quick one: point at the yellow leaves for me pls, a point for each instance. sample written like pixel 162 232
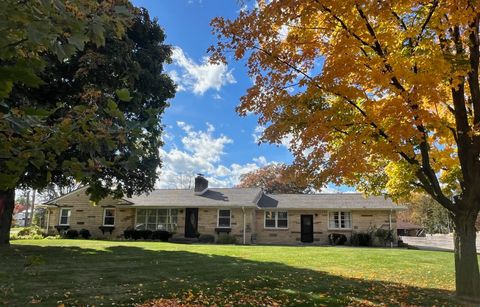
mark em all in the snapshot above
pixel 385 72
pixel 400 177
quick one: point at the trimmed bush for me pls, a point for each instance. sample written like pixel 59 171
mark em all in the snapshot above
pixel 161 235
pixel 84 233
pixel 361 239
pixel 337 239
pixel 128 233
pixel 226 239
pixel 206 239
pixel 71 234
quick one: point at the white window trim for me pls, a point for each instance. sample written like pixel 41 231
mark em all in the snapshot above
pixel 68 217
pixel 114 216
pixel 333 228
pixel 218 219
pixel 156 215
pixel 276 219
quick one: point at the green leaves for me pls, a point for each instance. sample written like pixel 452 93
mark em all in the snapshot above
pixel 123 94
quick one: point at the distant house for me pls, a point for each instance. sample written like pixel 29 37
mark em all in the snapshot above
pixel 246 213
pixel 409 229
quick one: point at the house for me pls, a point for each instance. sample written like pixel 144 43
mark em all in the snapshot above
pixel 246 213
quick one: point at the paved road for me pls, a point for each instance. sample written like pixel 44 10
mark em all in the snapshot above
pixel 435 242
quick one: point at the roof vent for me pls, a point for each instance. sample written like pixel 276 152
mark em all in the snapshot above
pixel 201 184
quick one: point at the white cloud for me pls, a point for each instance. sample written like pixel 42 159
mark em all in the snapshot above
pixel 199 77
pixel 216 96
pixel 257 133
pixel 201 151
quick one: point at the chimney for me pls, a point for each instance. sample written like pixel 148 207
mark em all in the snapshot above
pixel 201 184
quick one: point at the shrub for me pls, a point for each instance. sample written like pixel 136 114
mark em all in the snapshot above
pixel 30 231
pixel 161 235
pixel 71 234
pixel 140 234
pixel 85 233
pixel 206 239
pixel 128 233
pixel 226 239
pixel 384 235
pixel 27 233
pixel 361 239
pixel 337 239
pixel 146 234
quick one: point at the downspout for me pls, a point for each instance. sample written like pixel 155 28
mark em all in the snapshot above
pixel 48 220
pixel 390 226
pixel 244 226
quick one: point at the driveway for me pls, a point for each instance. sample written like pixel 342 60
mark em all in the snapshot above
pixel 435 242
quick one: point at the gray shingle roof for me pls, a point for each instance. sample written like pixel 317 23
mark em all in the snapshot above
pixel 227 197
pixel 350 201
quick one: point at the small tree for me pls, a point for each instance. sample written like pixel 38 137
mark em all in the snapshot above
pixel 273 178
pixel 425 211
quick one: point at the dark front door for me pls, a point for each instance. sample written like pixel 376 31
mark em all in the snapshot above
pixel 191 222
pixel 306 228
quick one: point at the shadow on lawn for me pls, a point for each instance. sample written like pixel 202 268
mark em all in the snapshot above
pixel 127 275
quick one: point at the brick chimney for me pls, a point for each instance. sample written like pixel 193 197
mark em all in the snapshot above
pixel 201 184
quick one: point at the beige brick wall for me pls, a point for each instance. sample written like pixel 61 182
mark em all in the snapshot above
pixel 86 215
pixel 362 221
pixel 207 222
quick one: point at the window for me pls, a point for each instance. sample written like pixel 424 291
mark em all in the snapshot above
pixel 65 214
pixel 276 219
pixel 224 218
pixel 109 217
pixel 156 219
pixel 339 220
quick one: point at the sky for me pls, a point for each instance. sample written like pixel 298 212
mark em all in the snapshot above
pixel 203 133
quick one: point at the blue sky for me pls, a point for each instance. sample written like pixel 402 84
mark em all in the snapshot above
pixel 203 132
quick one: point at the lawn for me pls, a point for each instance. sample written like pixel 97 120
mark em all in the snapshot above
pixel 81 272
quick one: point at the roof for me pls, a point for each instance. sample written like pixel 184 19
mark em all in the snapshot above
pixel 407 225
pixel 213 197
pixel 350 201
pixel 249 197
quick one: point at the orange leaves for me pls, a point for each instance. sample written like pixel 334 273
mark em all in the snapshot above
pixel 354 83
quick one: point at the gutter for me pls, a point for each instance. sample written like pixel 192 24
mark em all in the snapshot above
pixel 244 226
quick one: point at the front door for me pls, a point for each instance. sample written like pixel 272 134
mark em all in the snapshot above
pixel 306 228
pixel 191 222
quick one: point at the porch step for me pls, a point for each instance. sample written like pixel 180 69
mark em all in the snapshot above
pixel 183 240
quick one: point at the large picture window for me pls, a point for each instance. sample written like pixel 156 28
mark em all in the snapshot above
pixel 276 219
pixel 339 220
pixel 65 214
pixel 157 219
pixel 109 217
pixel 224 218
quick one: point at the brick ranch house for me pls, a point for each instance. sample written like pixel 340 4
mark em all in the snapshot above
pixel 246 213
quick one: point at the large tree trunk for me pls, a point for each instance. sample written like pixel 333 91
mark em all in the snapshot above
pixel 467 275
pixel 7 204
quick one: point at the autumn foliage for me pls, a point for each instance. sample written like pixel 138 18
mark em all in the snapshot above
pixel 273 179
pixel 381 95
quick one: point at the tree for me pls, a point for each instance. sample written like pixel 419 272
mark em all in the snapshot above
pixel 29 30
pixel 381 95
pixel 97 116
pixel 273 179
pixel 424 210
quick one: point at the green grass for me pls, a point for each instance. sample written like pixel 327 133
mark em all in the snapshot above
pixel 80 272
